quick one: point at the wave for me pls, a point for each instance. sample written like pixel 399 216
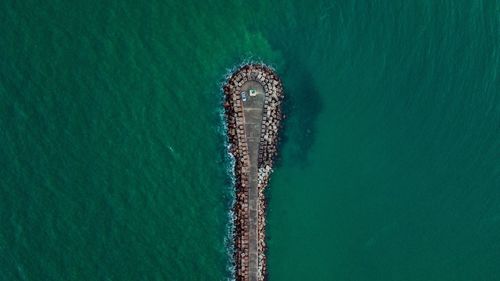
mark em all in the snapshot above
pixel 245 61
pixel 229 162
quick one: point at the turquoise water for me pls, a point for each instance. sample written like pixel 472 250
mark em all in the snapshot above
pixel 112 157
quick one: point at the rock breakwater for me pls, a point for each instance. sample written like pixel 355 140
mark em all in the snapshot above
pixel 253 98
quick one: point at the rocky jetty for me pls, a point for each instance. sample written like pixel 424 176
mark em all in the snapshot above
pixel 253 127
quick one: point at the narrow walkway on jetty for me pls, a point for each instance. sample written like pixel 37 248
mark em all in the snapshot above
pixel 252 115
pixel 253 95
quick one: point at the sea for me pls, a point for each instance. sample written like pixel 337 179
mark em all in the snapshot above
pixel 113 153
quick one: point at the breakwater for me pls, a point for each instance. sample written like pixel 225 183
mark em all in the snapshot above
pixel 253 96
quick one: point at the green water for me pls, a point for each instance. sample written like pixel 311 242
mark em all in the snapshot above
pixel 112 157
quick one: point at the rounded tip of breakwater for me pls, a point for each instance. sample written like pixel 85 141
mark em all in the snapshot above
pixel 253 94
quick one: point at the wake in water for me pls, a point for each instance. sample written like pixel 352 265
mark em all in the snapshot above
pixel 229 163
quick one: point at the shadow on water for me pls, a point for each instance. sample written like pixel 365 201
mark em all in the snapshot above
pixel 301 107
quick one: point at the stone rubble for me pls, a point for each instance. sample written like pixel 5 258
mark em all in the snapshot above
pixel 271 124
